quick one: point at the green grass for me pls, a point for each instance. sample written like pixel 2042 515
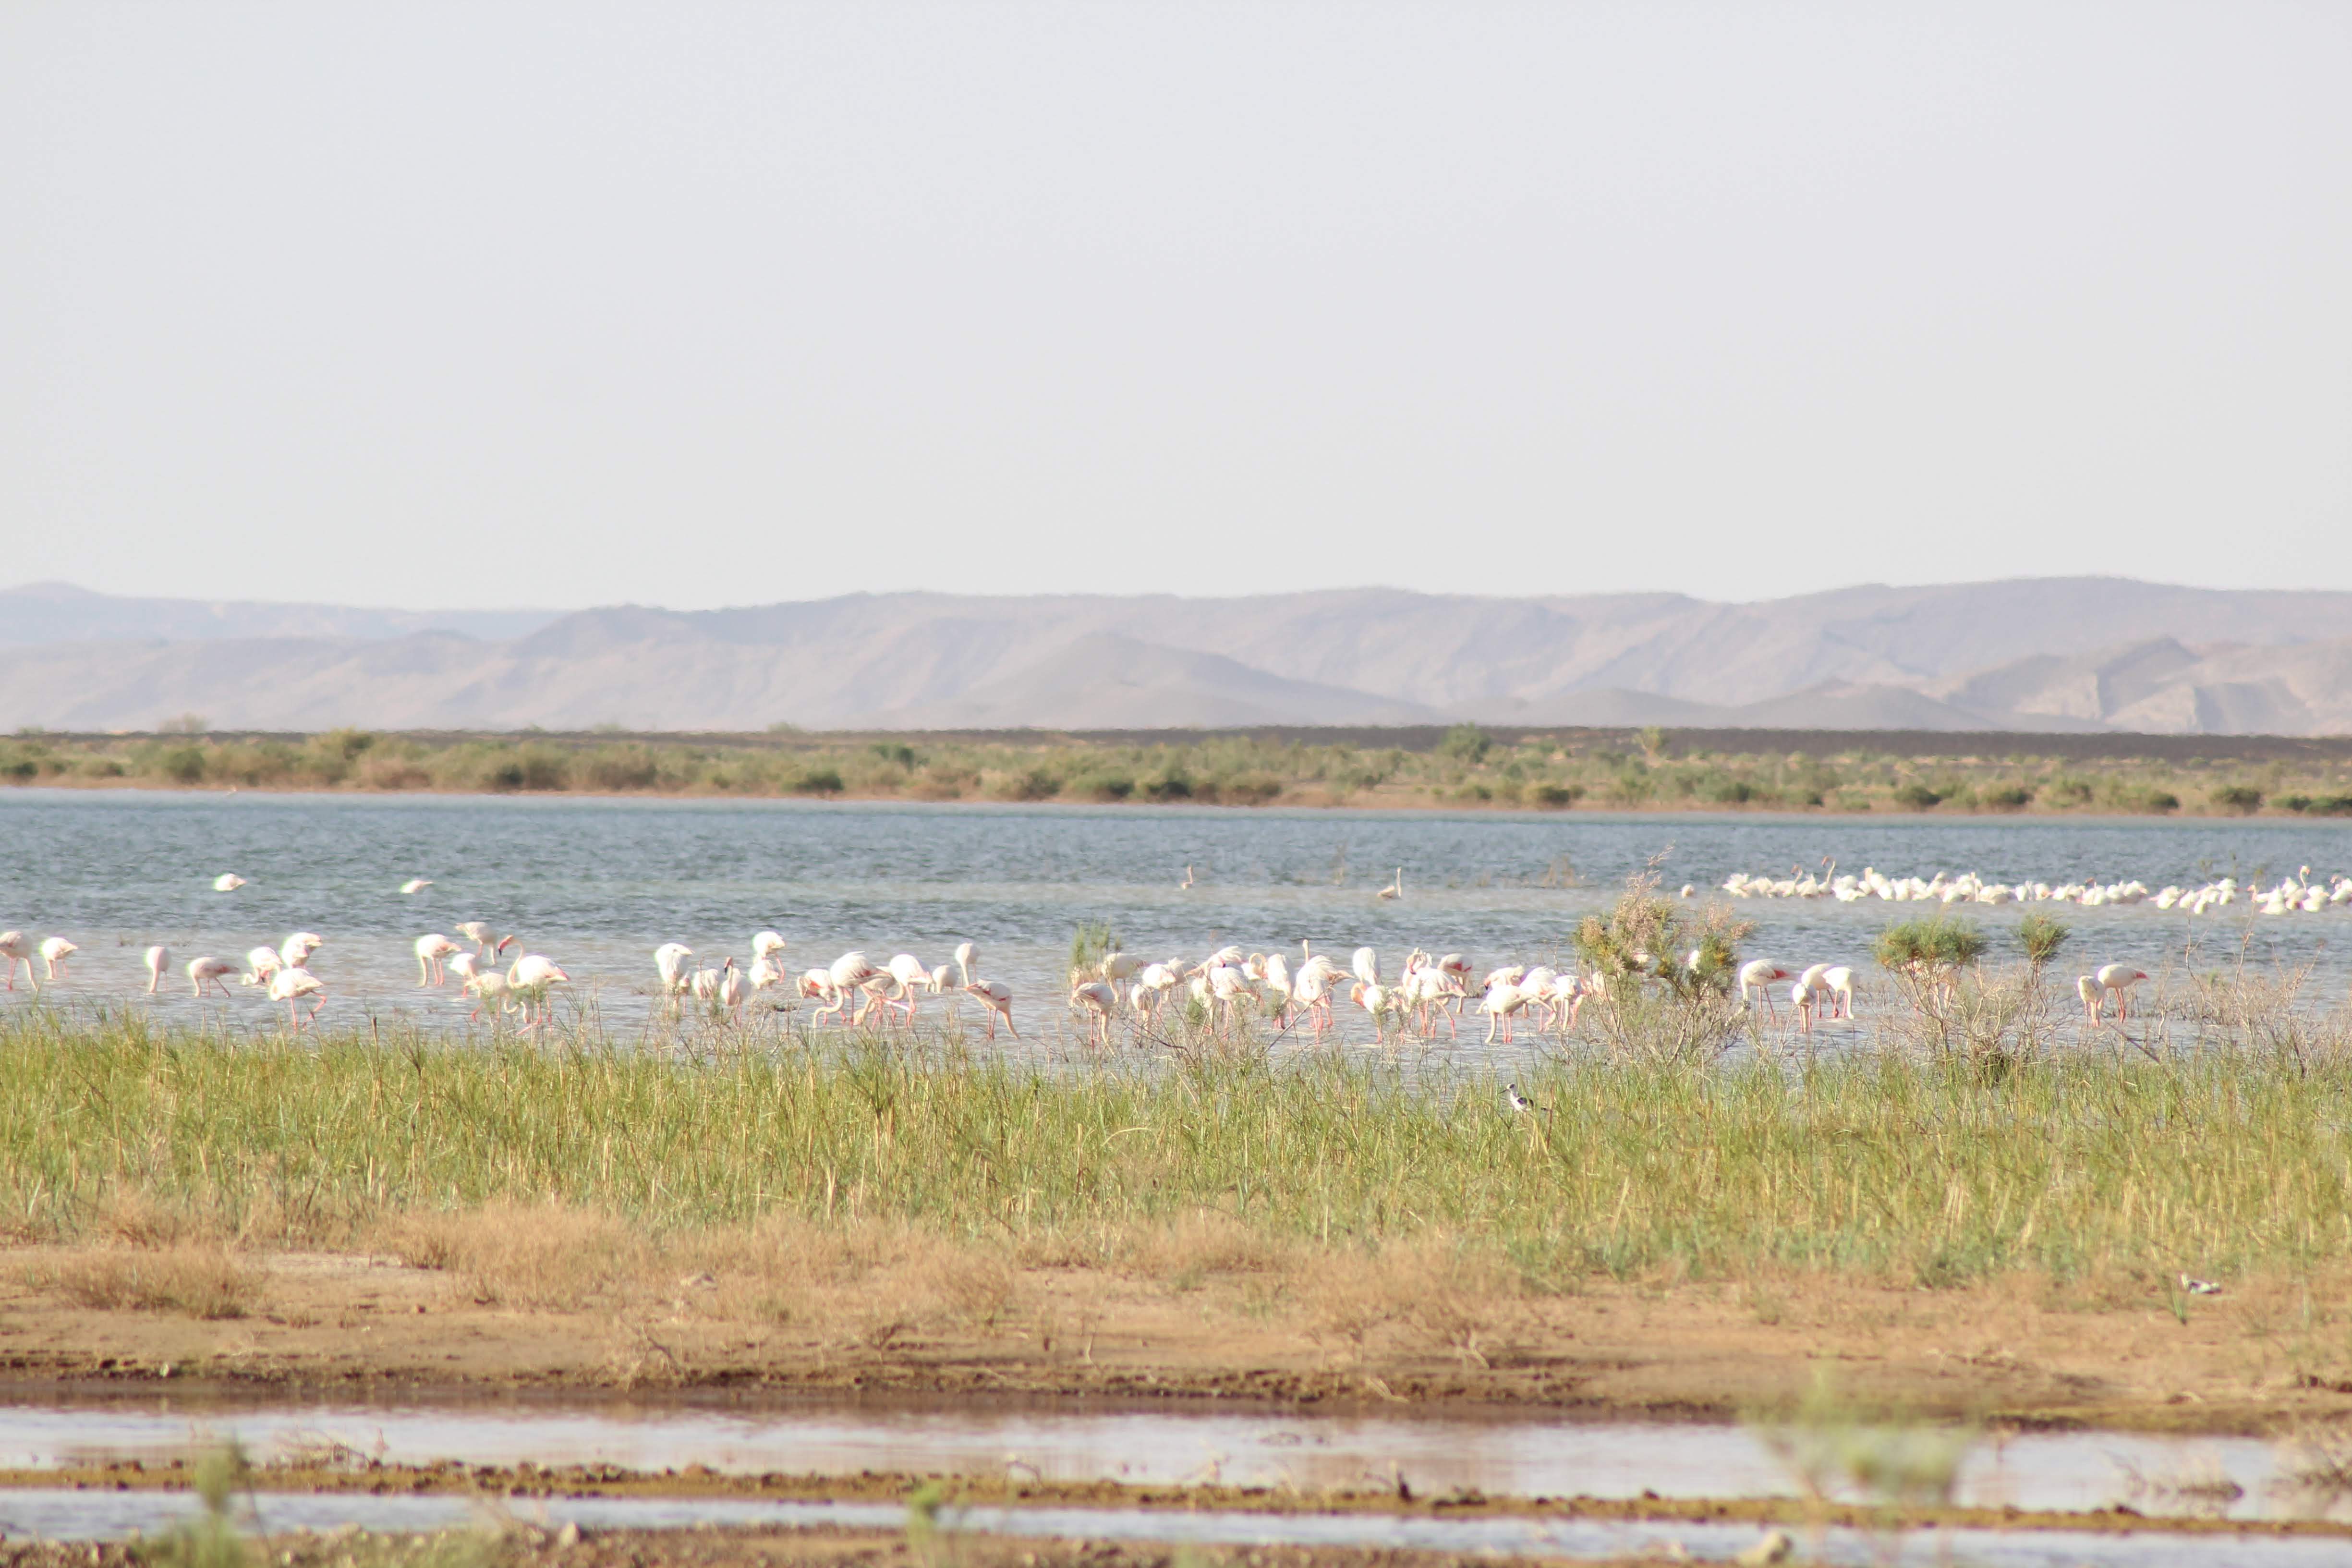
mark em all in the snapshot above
pixel 2223 1161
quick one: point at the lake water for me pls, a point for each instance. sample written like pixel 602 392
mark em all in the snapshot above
pixel 598 883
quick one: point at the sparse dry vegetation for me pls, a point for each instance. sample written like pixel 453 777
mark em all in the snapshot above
pixel 1467 767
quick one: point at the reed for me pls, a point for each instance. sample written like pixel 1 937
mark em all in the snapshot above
pixel 1908 1166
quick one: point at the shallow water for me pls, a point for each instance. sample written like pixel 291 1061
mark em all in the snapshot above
pixel 596 884
pixel 1517 1456
pixel 89 1516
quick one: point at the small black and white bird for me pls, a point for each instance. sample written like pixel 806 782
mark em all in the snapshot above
pixel 2200 1287
pixel 1519 1103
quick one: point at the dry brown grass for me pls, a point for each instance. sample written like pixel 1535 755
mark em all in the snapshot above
pixel 542 1256
pixel 202 1280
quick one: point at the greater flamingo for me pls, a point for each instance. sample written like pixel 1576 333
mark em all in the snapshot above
pixel 1099 1000
pixel 204 972
pixel 997 997
pixel 159 958
pixel 529 980
pixel 2120 978
pixel 16 948
pixel 293 981
pixel 55 951
pixel 1757 974
pixel 432 949
pixel 227 882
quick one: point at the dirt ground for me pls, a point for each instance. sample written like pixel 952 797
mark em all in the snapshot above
pixel 2260 1358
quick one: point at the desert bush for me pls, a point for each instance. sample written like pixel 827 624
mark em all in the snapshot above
pixel 2006 797
pixel 1916 797
pixel 2242 799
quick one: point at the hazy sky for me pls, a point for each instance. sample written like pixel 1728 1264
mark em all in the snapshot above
pixel 569 303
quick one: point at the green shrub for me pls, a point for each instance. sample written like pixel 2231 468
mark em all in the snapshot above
pixel 818 781
pixel 1917 797
pixel 183 764
pixel 2296 801
pixel 2068 791
pixel 2244 799
pixel 1102 787
pixel 2040 936
pixel 1466 744
pixel 1939 943
pixel 2332 806
pixel 1554 796
pixel 2007 797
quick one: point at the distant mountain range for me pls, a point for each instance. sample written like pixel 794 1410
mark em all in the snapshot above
pixel 2038 654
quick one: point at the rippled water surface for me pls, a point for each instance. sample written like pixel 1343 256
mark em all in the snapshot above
pixel 596 884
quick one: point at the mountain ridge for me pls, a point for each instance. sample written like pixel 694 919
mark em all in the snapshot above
pixel 2038 654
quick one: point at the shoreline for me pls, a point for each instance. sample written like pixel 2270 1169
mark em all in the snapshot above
pixel 1414 805
pixel 2007 1354
pixel 527 1482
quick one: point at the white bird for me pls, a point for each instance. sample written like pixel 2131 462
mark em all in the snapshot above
pixel 208 972
pixel 227 882
pixel 529 980
pixel 1395 890
pixel 706 983
pixel 730 988
pixel 465 966
pixel 417 884
pixel 431 948
pixel 966 955
pixel 1099 1000
pixel 1519 1103
pixel 1757 974
pixel 296 949
pixel 1186 882
pixel 261 963
pixel 159 958
pixel 2086 987
pixel 907 972
pixel 997 997
pixel 1503 1002
pixel 55 951
pixel 669 962
pixel 765 972
pixel 2120 978
pixel 293 981
pixel 767 944
pixel 16 948
pixel 489 989
pixel 1367 965
pixel 1837 980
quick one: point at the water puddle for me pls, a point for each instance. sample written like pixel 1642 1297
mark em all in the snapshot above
pixel 87 1516
pixel 1514 1456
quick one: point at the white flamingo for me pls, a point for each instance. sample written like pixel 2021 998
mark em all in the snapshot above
pixel 529 980
pixel 433 949
pixel 997 997
pixel 206 972
pixel 159 958
pixel 290 984
pixel 16 948
pixel 669 962
pixel 1099 1000
pixel 1395 890
pixel 55 951
pixel 227 882
pixel 2117 979
pixel 1757 975
pixel 296 949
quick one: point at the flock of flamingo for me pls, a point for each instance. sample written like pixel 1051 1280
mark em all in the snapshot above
pixel 2298 894
pixel 1427 991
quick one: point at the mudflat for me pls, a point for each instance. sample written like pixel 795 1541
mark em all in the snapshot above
pixel 2264 1357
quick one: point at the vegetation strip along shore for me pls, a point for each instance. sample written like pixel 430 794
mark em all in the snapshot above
pixel 1648 770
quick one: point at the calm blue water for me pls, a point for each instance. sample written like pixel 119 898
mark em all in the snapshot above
pixel 596 884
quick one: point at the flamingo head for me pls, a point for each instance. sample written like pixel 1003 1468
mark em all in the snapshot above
pixel 504 942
